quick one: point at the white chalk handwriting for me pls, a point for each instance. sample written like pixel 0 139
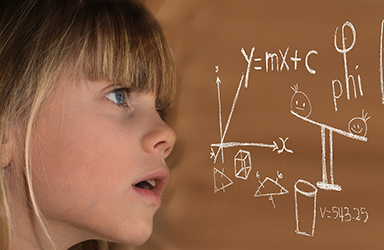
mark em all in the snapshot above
pixel 344 213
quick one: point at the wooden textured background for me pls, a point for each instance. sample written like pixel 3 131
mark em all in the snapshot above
pixel 205 34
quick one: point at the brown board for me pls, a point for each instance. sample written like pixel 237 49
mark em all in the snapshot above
pixel 280 124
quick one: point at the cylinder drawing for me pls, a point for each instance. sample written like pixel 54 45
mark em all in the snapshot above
pixel 305 207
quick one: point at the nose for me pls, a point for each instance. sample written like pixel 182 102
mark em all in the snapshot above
pixel 159 139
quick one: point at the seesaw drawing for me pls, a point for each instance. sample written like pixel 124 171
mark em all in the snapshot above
pixel 301 108
pixel 269 188
pixel 305 208
pixel 222 145
pixel 220 180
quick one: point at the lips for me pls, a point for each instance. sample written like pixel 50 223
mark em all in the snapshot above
pixel 152 185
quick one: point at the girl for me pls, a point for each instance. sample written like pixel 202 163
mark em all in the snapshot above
pixel 84 88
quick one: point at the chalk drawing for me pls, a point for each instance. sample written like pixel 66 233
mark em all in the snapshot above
pixel 243 164
pixel 283 57
pixel 273 57
pixel 300 103
pixel 284 148
pixel 272 62
pixel 358 125
pixel 220 180
pixel 381 62
pixel 348 78
pixel 249 61
pixel 295 60
pixel 345 214
pixel 222 145
pixel 327 137
pixel 269 187
pixel 305 213
pixel 223 134
pixel 310 70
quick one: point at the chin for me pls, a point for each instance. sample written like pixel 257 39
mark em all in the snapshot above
pixel 134 235
pixel 141 239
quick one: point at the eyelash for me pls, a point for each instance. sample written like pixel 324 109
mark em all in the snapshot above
pixel 112 96
pixel 162 113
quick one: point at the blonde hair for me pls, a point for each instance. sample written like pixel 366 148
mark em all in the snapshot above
pixel 114 40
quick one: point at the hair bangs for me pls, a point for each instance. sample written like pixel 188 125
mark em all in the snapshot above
pixel 124 44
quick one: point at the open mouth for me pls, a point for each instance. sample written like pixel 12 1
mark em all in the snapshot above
pixel 152 185
pixel 148 185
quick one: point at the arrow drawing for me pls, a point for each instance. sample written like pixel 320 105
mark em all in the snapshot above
pixel 222 145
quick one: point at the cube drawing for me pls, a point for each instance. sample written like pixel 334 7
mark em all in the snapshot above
pixel 243 165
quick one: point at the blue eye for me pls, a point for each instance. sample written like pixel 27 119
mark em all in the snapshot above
pixel 118 96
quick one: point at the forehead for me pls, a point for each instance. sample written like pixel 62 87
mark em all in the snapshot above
pixel 121 42
pixel 112 40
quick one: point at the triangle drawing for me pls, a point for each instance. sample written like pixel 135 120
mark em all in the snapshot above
pixel 270 187
pixel 220 180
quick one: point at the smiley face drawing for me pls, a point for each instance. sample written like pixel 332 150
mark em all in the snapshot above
pixel 300 103
pixel 358 125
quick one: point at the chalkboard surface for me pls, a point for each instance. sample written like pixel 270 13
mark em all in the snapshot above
pixel 280 123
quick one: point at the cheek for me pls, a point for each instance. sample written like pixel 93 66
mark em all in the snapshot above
pixel 80 162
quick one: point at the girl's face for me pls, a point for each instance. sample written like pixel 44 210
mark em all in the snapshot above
pixel 98 162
